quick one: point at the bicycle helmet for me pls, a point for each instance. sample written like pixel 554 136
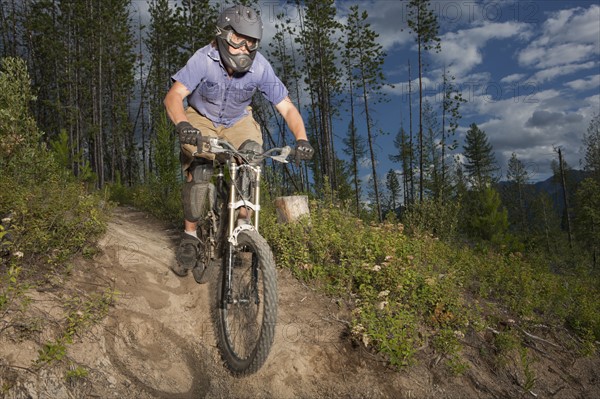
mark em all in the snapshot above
pixel 239 20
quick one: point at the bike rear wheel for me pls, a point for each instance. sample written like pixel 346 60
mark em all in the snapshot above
pixel 247 311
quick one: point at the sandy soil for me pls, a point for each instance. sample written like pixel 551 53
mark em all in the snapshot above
pixel 158 342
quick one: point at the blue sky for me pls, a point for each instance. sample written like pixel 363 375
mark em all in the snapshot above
pixel 529 69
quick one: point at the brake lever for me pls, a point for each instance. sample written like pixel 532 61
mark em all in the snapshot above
pixel 282 157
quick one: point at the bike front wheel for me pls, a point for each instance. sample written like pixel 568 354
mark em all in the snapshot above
pixel 247 304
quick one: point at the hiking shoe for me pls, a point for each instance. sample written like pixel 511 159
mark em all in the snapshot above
pixel 186 256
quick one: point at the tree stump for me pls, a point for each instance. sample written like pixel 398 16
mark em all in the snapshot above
pixel 290 208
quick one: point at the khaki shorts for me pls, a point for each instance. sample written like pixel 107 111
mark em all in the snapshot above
pixel 244 129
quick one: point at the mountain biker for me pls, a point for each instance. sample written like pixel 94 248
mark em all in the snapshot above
pixel 218 82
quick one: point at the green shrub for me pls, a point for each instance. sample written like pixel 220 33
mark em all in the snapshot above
pixel 48 216
pixel 408 292
pixel 433 216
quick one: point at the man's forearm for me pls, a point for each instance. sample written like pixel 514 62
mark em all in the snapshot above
pixel 174 108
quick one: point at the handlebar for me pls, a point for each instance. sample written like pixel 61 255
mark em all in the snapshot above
pixel 216 146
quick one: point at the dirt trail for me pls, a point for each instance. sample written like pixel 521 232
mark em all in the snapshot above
pixel 158 341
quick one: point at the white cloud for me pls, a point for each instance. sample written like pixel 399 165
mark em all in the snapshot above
pixel 462 49
pixel 556 55
pixel 533 126
pixel 515 77
pixel 587 83
pixel 387 18
pixel 568 36
pixel 401 88
pixel 554 72
pixel 575 25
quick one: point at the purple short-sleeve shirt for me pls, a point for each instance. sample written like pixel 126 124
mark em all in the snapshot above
pixel 220 98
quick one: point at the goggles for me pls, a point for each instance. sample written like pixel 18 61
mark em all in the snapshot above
pixel 237 41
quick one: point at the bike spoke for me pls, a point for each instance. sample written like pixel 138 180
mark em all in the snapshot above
pixel 244 313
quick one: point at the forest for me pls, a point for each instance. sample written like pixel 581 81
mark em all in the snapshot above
pixel 441 246
pixel 99 75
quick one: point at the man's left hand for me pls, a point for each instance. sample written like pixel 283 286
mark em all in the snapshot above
pixel 304 151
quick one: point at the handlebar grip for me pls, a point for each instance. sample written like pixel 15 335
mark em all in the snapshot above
pixel 292 154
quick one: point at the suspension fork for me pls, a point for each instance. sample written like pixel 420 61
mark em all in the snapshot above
pixel 233 171
pixel 228 264
pixel 258 171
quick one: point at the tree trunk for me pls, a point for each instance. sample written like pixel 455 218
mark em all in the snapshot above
pixel 411 142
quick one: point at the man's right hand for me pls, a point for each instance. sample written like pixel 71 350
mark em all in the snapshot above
pixel 188 134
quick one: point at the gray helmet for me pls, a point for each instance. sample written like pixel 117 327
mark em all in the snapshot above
pixel 243 21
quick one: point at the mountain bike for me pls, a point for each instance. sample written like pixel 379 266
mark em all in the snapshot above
pixel 246 294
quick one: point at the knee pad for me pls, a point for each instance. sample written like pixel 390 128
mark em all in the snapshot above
pixel 198 195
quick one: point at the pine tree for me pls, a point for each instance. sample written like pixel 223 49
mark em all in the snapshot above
pixel 485 217
pixel 587 198
pixel 402 144
pixel 451 116
pixel 394 189
pixel 432 154
pixel 516 194
pixel 12 36
pixel 165 36
pixel 546 231
pixel 319 50
pixel 422 21
pixel 199 20
pixel 563 175
pixel 283 56
pixel 587 202
pixel 82 56
pixel 481 163
pixel 355 148
pixel 591 140
pixel 367 72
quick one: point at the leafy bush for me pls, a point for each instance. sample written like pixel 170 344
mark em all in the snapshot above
pixel 404 290
pixel 47 214
pixel 413 292
pixel 434 216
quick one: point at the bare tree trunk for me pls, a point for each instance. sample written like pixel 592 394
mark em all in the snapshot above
pixel 420 122
pixel 565 198
pixel 354 155
pixel 411 140
pixel 443 144
pixel 371 150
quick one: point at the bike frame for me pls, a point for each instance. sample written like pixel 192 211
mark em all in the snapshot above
pixel 236 201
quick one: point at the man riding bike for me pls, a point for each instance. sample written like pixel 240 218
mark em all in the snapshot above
pixel 218 82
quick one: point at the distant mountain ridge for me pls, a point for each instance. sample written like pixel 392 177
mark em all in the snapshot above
pixel 553 186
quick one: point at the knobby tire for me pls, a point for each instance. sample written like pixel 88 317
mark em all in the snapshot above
pixel 246 323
